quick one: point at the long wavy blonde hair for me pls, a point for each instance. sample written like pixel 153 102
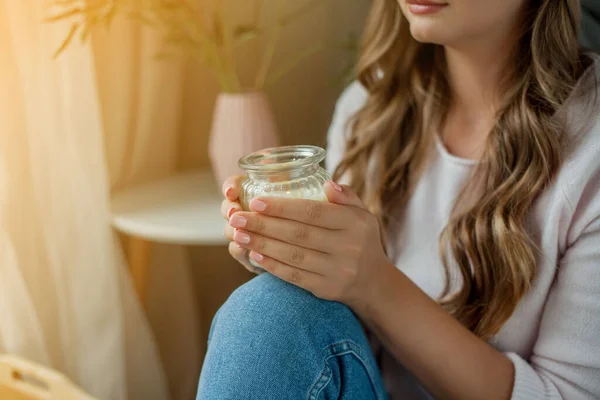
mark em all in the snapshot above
pixel 392 135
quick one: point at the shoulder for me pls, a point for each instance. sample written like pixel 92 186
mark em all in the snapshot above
pixel 581 115
pixel 349 103
pixel 352 99
pixel 579 177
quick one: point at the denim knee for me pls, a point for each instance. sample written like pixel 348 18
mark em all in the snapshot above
pixel 273 340
pixel 267 300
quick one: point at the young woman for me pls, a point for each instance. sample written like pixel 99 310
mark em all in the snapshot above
pixel 471 148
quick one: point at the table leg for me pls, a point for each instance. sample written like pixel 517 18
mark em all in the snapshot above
pixel 139 259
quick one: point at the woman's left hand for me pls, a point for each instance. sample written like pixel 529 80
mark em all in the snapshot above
pixel 333 249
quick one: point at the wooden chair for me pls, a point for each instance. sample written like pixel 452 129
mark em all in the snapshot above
pixel 24 380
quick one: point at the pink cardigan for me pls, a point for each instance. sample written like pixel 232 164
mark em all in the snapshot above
pixel 553 337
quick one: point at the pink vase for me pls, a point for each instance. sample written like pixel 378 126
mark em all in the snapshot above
pixel 242 123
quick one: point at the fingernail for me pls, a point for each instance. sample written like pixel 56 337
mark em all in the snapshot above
pixel 337 187
pixel 228 190
pixel 230 212
pixel 239 247
pixel 237 221
pixel 257 256
pixel 242 237
pixel 257 205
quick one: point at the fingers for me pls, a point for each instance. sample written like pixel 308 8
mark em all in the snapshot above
pixel 299 257
pixel 231 190
pixel 293 232
pixel 343 195
pixel 228 208
pixel 232 187
pixel 241 255
pixel 310 212
pixel 237 252
pixel 295 276
pixel 229 231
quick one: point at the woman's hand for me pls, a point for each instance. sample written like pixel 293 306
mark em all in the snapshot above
pixel 229 206
pixel 333 249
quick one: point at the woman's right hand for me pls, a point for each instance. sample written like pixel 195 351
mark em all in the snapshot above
pixel 231 190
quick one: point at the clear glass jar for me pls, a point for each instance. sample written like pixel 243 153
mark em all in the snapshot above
pixel 290 171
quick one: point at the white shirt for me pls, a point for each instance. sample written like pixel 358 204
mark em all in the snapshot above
pixel 553 337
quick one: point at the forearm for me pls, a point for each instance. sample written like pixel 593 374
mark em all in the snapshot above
pixel 450 361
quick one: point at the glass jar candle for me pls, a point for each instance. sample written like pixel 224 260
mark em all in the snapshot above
pixel 290 171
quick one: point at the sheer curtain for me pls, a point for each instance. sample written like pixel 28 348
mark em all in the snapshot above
pixel 99 117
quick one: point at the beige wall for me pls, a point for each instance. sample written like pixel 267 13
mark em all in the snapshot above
pixel 302 102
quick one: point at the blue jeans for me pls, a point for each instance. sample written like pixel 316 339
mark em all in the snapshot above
pixel 272 340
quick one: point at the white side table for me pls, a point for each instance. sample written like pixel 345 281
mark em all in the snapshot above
pixel 183 209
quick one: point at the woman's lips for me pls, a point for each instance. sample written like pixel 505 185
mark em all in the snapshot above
pixel 422 7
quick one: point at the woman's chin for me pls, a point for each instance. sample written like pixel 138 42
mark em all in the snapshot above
pixel 426 34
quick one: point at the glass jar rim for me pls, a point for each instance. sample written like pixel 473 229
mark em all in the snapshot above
pixel 259 161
